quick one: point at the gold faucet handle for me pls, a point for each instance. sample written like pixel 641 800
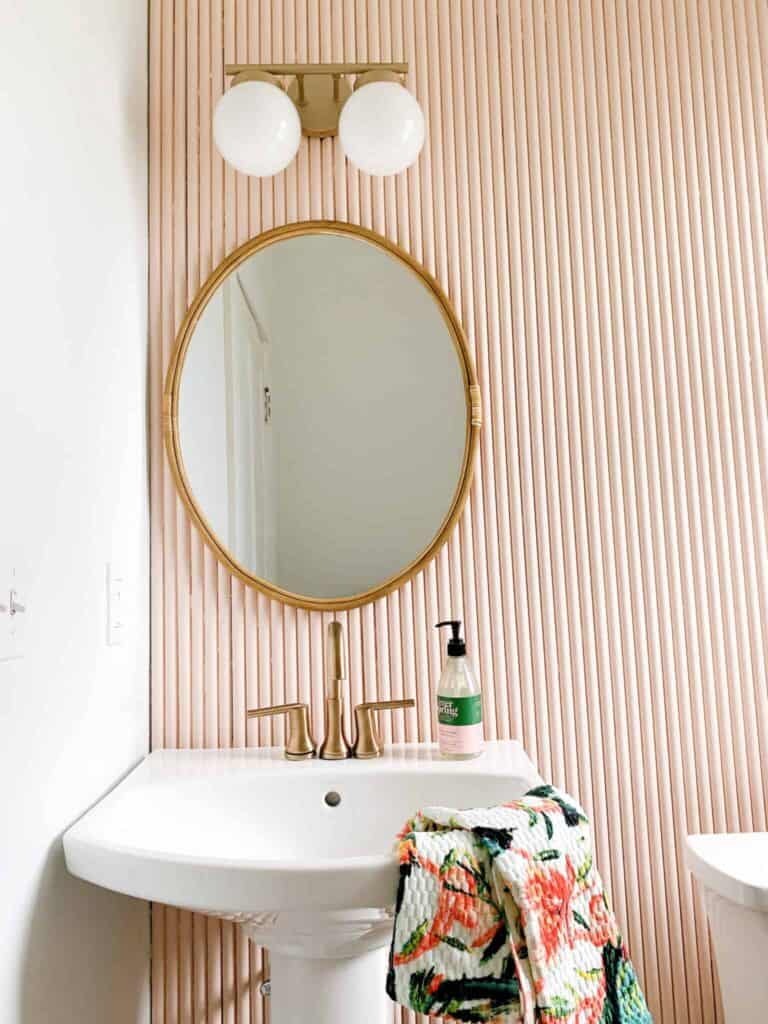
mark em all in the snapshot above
pixel 367 740
pixel 299 744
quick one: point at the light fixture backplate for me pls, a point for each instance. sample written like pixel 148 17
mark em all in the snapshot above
pixel 320 109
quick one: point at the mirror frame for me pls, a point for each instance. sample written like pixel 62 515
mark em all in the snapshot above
pixel 171 411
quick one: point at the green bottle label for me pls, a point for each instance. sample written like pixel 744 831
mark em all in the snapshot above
pixel 460 710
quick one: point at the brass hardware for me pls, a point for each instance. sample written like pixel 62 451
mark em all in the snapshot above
pixel 256 75
pixel 173 388
pixel 318 90
pixel 299 745
pixel 401 68
pixel 319 100
pixel 377 75
pixel 336 660
pixel 476 405
pixel 367 742
pixel 334 747
pixel 301 96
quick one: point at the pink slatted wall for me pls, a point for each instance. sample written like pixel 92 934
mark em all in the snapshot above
pixel 594 198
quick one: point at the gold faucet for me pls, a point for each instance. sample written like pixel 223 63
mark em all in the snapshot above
pixel 334 747
pixel 299 744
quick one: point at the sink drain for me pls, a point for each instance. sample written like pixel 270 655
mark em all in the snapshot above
pixel 332 799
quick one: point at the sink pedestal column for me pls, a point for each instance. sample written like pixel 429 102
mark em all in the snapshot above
pixel 342 991
pixel 327 967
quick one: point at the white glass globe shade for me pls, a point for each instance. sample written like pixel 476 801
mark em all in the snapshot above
pixel 381 128
pixel 256 128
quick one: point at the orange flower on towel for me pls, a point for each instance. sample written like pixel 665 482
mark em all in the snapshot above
pixel 548 895
pixel 603 925
pixel 407 851
pixel 435 984
pixel 590 1009
pixel 457 903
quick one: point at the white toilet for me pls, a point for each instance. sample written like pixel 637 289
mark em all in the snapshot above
pixel 733 872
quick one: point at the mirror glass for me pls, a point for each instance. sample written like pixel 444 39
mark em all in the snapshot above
pixel 322 415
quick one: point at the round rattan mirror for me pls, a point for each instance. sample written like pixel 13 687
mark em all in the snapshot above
pixel 321 414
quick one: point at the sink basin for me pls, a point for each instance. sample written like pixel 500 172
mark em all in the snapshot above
pixel 299 853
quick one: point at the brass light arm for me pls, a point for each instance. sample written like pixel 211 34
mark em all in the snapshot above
pixel 299 744
pixel 399 67
pixel 367 742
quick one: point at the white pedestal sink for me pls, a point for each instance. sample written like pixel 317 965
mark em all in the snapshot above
pixel 300 854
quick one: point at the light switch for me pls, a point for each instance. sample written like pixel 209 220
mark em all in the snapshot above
pixel 117 605
pixel 14 615
pixel 5 627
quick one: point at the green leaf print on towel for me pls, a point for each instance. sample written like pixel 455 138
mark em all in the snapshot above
pixel 435 994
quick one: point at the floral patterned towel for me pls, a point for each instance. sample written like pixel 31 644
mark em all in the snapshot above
pixel 501 916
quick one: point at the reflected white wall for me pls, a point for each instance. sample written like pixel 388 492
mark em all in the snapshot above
pixel 366 384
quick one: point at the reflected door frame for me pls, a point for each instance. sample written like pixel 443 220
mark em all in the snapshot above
pixel 252 493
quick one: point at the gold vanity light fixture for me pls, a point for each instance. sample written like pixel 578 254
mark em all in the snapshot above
pixel 259 121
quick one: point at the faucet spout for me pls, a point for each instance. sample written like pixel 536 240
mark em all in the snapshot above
pixel 336 661
pixel 335 746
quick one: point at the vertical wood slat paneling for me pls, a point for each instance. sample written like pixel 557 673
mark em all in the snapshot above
pixel 594 197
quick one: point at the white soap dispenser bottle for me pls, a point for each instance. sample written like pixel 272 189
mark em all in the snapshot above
pixel 459 703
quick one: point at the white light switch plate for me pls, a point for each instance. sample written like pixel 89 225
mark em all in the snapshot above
pixel 5 628
pixel 13 627
pixel 117 604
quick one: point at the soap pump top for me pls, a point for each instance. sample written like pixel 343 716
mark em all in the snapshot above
pixel 457 648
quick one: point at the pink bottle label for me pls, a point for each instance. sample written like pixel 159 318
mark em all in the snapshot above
pixel 460 739
pixel 460 724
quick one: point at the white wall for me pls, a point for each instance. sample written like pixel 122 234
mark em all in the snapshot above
pixel 73 490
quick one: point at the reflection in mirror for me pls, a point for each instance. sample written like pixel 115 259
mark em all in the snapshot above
pixel 323 415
